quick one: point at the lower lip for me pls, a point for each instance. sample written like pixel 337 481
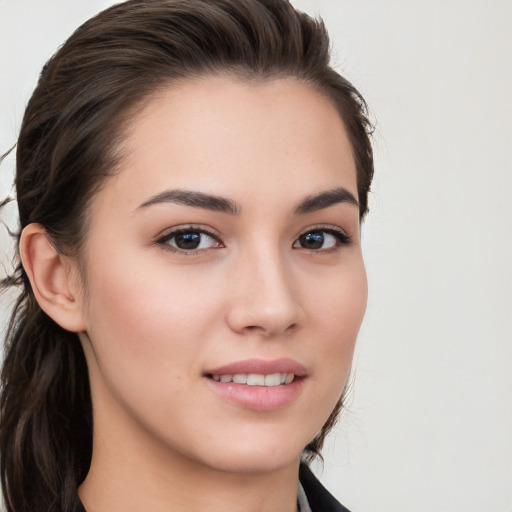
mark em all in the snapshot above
pixel 258 398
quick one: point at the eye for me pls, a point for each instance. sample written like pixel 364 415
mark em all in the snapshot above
pixel 321 239
pixel 189 240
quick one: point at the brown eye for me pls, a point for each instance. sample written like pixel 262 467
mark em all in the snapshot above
pixel 189 240
pixel 314 240
pixel 319 239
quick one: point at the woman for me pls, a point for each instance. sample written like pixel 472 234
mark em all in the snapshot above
pixel 191 178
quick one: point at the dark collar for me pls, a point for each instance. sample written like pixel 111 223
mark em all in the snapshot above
pixel 319 498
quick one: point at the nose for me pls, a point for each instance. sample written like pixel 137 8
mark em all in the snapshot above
pixel 265 299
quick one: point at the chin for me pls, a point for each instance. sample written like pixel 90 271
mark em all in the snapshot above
pixel 257 455
pixel 240 464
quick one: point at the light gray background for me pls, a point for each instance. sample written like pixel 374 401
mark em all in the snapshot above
pixel 429 422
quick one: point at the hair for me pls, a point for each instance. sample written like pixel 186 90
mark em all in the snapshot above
pixel 69 145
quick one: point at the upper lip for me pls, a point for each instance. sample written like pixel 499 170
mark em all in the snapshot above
pixel 260 366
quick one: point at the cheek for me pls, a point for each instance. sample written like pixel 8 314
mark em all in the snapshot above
pixel 140 313
pixel 338 308
pixel 339 304
pixel 147 335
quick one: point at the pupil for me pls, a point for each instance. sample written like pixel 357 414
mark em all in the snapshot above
pixel 188 240
pixel 312 240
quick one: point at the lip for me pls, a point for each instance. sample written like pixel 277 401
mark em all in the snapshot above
pixel 261 366
pixel 258 398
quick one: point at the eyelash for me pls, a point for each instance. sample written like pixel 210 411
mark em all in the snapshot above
pixel 164 239
pixel 342 239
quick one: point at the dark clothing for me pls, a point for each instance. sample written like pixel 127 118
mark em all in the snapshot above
pixel 319 498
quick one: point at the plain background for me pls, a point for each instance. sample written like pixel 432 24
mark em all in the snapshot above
pixel 429 421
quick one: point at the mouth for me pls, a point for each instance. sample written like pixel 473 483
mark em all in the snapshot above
pixel 257 384
pixel 255 379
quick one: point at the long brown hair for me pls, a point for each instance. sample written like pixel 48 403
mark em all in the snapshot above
pixel 67 147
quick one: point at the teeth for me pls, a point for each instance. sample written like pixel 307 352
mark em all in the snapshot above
pixel 240 378
pixel 273 380
pixel 256 379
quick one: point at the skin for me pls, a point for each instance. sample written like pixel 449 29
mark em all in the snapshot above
pixel 154 319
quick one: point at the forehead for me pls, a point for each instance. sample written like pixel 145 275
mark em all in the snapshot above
pixel 236 138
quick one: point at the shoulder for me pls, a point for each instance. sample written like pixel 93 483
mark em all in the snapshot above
pixel 319 498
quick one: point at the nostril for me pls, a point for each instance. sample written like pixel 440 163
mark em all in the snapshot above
pixel 268 331
pixel 254 329
pixel 267 316
pixel 291 327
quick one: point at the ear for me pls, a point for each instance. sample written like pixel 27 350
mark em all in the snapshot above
pixel 53 277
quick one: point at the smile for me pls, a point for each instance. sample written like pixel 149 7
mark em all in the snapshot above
pixel 258 384
pixel 256 379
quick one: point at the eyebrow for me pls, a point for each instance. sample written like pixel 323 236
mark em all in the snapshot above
pixel 221 204
pixel 195 199
pixel 326 199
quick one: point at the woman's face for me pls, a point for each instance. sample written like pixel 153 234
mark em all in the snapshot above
pixel 225 250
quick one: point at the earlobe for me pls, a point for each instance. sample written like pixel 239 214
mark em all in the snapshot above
pixel 52 279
